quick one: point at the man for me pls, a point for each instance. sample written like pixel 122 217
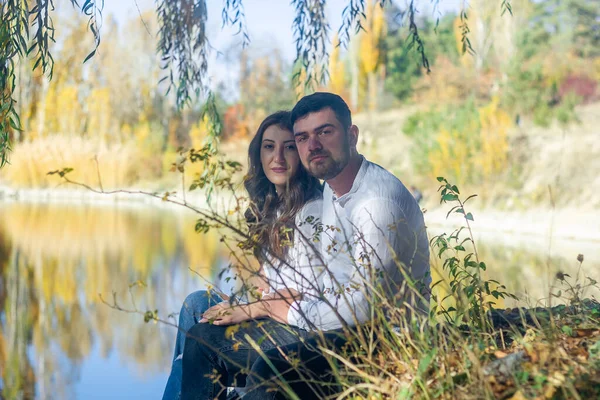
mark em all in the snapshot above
pixel 373 240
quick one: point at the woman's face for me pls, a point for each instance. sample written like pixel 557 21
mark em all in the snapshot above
pixel 279 156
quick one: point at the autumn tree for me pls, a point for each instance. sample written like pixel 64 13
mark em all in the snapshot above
pixel 183 43
pixel 372 53
pixel 337 70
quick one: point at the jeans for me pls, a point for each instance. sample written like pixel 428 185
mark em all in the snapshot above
pixel 191 312
pixel 298 367
pixel 258 355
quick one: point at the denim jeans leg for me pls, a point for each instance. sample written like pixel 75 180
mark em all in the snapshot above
pixel 217 357
pixel 310 376
pixel 192 309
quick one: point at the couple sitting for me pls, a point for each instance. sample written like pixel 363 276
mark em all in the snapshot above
pixel 325 253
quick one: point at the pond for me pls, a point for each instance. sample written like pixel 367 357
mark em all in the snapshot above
pixel 59 340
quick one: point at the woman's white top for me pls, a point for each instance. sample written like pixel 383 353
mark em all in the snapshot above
pixel 296 272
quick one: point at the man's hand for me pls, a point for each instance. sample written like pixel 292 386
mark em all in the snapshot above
pixel 278 309
pixel 278 304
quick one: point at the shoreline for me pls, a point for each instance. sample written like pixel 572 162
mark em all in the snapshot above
pixel 87 197
pixel 562 224
pixel 565 224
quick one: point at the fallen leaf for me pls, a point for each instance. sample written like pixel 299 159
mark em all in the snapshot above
pixel 585 332
pixel 518 396
pixel 500 354
pixel 549 392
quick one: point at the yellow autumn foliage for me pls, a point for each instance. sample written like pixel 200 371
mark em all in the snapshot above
pixel 596 68
pixel 371 56
pixel 301 84
pixel 451 157
pixel 141 131
pixel 199 132
pixel 99 114
pixel 492 158
pixel 63 111
pixel 371 39
pixel 337 72
pixel 478 152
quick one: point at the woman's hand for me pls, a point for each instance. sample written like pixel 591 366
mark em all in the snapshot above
pixel 275 305
pixel 230 314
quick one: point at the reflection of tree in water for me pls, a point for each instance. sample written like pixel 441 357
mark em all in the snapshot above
pixel 18 375
pixel 59 259
pixel 4 254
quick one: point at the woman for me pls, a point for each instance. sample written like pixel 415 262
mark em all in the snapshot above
pixel 282 195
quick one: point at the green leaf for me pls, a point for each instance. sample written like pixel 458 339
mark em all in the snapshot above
pixel 566 329
pixel 449 197
pixel 469 216
pixel 14 125
pixel 440 179
pixel 93 52
pixel 451 210
pixel 482 266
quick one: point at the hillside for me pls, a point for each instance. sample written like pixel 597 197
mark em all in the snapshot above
pixel 565 162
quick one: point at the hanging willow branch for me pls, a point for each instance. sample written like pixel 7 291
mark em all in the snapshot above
pixel 7 84
pixel 414 37
pixel 183 46
pixel 233 15
pixel 352 16
pixel 93 9
pixel 44 34
pixel 311 35
pixel 14 33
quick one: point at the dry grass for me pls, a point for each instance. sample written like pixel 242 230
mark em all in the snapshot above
pixel 121 164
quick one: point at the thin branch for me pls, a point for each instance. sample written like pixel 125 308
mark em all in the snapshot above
pixel 142 18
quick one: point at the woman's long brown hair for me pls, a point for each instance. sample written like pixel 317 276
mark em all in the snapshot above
pixel 271 217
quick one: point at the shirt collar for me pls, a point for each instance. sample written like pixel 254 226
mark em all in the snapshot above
pixel 357 181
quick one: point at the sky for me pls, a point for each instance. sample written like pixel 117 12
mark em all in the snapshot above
pixel 269 23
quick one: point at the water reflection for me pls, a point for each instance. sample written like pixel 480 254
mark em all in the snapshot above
pixel 528 266
pixel 57 340
pixel 55 260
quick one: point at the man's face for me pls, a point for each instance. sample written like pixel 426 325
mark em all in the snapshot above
pixel 323 143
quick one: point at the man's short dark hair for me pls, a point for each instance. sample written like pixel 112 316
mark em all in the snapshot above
pixel 320 100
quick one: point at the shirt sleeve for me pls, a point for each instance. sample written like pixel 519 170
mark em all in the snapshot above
pixel 387 244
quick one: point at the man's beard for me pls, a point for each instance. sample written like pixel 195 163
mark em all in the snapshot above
pixel 329 167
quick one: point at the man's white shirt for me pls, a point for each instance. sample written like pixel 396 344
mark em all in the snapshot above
pixel 372 237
